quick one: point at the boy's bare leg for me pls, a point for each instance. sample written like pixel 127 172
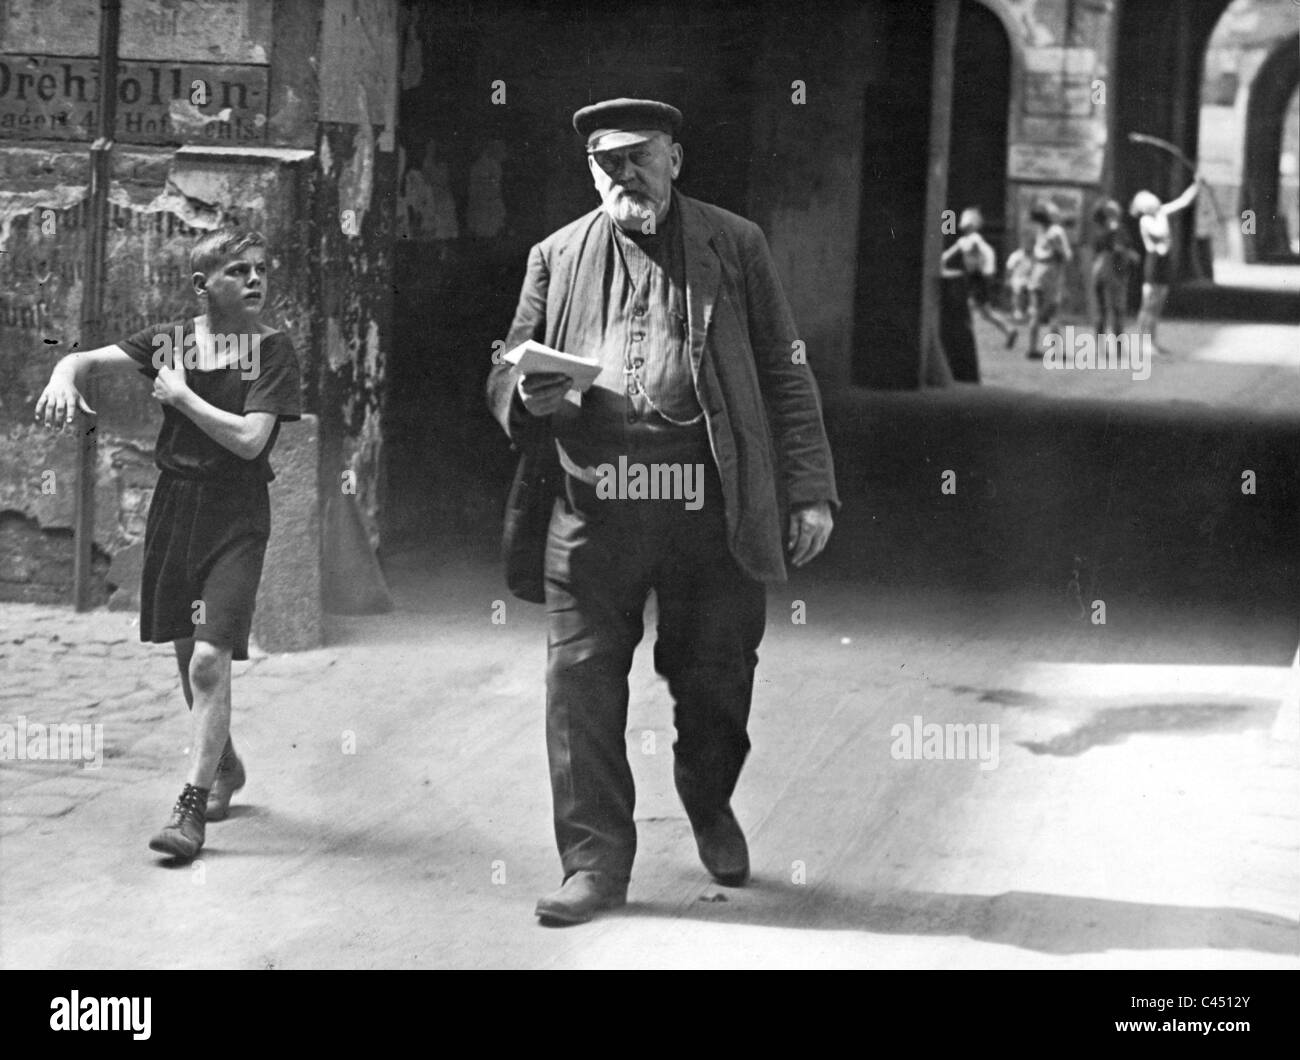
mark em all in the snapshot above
pixel 1153 300
pixel 995 318
pixel 184 652
pixel 1035 318
pixel 209 680
pixel 1158 296
pixel 205 680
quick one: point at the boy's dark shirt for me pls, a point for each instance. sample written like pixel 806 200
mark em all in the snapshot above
pixel 183 448
pixel 1114 241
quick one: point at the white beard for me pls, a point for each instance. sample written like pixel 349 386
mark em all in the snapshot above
pixel 631 210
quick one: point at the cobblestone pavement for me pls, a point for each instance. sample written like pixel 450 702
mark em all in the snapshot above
pixel 1144 812
pixel 61 667
pixel 1210 364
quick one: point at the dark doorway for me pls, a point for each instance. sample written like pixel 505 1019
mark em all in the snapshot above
pixel 977 168
pixel 489 173
pixel 1157 90
pixel 1270 99
pixel 887 303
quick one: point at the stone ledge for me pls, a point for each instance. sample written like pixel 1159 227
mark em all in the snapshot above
pixel 288 615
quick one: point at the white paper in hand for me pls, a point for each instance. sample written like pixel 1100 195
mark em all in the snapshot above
pixel 532 357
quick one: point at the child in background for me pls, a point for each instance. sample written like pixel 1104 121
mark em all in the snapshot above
pixel 956 331
pixel 1157 269
pixel 1113 257
pixel 1051 253
pixel 209 520
pixel 980 265
pixel 1019 265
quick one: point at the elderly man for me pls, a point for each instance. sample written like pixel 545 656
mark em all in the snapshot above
pixel 706 406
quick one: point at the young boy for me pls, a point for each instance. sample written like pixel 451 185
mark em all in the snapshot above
pixel 1157 234
pixel 980 263
pixel 1019 266
pixel 225 382
pixel 1113 256
pixel 1051 254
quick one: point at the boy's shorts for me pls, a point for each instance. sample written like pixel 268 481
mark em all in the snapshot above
pixel 205 541
pixel 977 288
pixel 1156 269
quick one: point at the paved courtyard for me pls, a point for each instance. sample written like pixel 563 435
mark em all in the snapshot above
pixel 1132 802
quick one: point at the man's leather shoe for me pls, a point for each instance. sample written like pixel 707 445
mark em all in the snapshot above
pixel 582 896
pixel 724 851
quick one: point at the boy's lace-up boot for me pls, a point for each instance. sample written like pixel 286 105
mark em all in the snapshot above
pixel 182 837
pixel 230 778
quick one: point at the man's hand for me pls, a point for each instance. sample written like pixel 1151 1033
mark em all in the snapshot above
pixel 543 392
pixel 810 529
pixel 57 406
pixel 169 385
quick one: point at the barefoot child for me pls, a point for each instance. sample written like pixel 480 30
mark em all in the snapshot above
pixel 1051 253
pixel 225 382
pixel 980 264
pixel 1157 270
pixel 1019 266
pixel 1112 259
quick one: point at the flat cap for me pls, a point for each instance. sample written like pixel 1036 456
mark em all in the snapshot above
pixel 622 122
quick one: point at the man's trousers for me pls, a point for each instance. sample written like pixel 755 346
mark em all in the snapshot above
pixel 603 558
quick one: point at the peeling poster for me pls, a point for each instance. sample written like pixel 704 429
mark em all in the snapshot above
pixel 53 98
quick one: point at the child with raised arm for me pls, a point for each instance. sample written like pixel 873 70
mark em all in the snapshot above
pixel 225 382
pixel 980 263
pixel 1157 236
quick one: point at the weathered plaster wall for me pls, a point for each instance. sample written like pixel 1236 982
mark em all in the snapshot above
pixel 42 233
pixel 806 179
pixel 356 217
pixel 290 79
pixel 162 201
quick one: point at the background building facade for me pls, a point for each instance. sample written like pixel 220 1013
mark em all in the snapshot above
pixel 403 157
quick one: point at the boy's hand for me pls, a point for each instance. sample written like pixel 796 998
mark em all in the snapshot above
pixel 57 406
pixel 169 384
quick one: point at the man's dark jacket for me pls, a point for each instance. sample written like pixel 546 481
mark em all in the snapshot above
pixel 761 406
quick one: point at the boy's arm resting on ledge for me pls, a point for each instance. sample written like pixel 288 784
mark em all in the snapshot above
pixel 59 401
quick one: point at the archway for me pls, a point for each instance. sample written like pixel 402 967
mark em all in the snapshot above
pixel 1157 73
pixel 1271 93
pixel 977 153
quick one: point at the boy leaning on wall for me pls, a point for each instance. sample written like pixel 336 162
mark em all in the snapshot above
pixel 225 382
